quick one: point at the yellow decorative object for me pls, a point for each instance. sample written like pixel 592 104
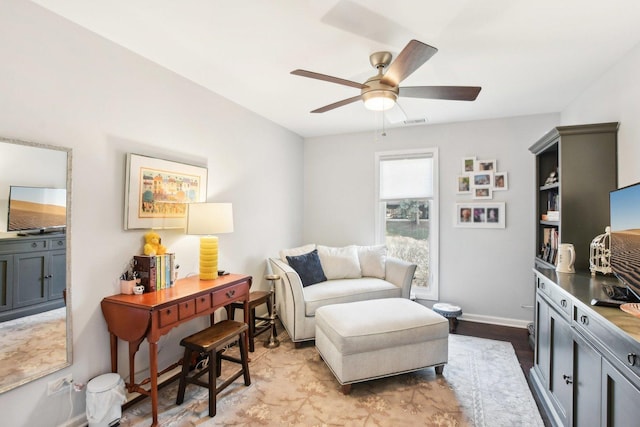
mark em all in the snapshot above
pixel 153 245
pixel 208 257
pixel 206 219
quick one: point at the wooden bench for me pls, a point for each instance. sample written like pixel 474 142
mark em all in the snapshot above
pixel 212 341
pixel 256 299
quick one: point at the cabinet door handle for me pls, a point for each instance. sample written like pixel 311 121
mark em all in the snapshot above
pixel 563 303
pixel 567 379
pixel 49 276
pixel 584 320
pixel 631 358
pixel 231 293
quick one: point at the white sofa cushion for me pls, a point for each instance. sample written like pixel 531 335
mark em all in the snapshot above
pixel 300 250
pixel 340 263
pixel 372 260
pixel 347 290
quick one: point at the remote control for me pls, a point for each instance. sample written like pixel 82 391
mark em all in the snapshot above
pixel 606 302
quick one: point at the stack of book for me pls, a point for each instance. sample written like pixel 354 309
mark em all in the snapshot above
pixel 549 248
pixel 156 272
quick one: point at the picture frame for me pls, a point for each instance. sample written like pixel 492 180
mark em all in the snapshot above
pixel 483 179
pixel 483 193
pixel 468 164
pixel 486 165
pixel 480 215
pixel 500 181
pixel 464 184
pixel 157 192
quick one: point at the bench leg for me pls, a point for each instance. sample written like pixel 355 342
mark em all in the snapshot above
pixel 214 362
pixel 244 357
pixel 186 362
pixel 439 369
pixel 346 389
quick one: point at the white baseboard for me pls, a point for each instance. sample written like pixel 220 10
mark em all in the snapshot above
pixel 492 320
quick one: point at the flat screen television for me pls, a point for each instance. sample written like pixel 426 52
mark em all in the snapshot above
pixel 624 205
pixel 37 210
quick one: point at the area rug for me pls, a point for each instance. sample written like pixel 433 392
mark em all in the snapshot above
pixel 32 345
pixel 482 385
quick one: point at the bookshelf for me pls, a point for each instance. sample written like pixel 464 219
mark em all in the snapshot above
pixel 584 161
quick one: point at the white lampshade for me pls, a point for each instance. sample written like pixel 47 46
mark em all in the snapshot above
pixel 206 219
pixel 209 218
pixel 379 100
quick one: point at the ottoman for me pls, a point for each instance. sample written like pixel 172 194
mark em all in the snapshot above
pixel 364 340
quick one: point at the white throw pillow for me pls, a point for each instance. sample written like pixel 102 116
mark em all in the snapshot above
pixel 340 263
pixel 373 260
pixel 300 250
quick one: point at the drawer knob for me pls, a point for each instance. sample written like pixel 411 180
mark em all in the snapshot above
pixel 231 293
pixel 168 311
pixel 631 358
pixel 60 243
pixel 542 285
pixel 34 245
pixel 584 320
pixel 567 379
pixel 563 303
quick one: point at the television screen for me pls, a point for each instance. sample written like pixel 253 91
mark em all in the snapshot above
pixel 625 235
pixel 36 208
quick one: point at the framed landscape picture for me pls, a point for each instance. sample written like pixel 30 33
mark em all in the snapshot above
pixel 158 192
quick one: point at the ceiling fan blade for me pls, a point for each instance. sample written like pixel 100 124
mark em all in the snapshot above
pixel 454 93
pixel 414 54
pixel 337 104
pixel 326 78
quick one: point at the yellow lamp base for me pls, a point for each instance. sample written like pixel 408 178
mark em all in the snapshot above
pixel 208 257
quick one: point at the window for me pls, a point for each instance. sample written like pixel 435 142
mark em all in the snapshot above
pixel 407 213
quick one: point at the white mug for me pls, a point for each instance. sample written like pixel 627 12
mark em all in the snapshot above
pixel 566 258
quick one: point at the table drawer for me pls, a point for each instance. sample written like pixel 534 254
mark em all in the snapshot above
pixel 187 309
pixel 618 344
pixel 561 301
pixel 167 316
pixel 203 303
pixel 226 296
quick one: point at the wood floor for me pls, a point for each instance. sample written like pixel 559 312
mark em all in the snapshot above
pixel 518 337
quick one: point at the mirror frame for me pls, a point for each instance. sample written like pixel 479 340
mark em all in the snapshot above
pixel 68 302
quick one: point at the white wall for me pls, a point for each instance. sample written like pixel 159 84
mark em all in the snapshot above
pixel 614 97
pixel 64 86
pixel 486 271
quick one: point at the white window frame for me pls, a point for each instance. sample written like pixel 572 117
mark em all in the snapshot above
pixel 418 292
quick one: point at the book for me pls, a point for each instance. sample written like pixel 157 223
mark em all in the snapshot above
pixel 146 268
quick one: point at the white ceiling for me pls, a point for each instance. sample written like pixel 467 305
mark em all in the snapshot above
pixel 529 56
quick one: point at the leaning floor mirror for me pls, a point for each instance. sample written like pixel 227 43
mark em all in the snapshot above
pixel 35 298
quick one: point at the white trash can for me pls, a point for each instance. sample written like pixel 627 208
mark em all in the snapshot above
pixel 105 396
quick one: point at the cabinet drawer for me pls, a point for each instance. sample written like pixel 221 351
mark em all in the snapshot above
pixel 167 316
pixel 561 301
pixel 186 309
pixel 57 243
pixel 203 303
pixel 12 246
pixel 544 285
pixel 226 296
pixel 624 349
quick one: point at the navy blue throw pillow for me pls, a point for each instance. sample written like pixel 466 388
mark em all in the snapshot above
pixel 308 267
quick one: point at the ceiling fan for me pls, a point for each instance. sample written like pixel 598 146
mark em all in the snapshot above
pixel 381 91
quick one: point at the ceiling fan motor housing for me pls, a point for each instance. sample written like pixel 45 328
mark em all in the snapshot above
pixel 377 95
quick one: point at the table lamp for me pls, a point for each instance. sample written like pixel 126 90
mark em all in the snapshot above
pixel 206 219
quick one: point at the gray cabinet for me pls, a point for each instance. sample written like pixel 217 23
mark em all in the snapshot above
pixel 586 369
pixel 32 275
pixel 584 159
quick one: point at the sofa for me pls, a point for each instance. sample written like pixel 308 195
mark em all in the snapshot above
pixel 313 276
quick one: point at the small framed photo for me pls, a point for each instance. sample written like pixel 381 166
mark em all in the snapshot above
pixel 482 193
pixel 485 165
pixel 480 215
pixel 500 182
pixel 464 184
pixel 468 164
pixel 482 179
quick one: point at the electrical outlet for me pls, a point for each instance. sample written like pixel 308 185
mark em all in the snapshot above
pixel 61 384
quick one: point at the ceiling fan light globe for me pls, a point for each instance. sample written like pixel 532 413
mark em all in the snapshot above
pixel 379 100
